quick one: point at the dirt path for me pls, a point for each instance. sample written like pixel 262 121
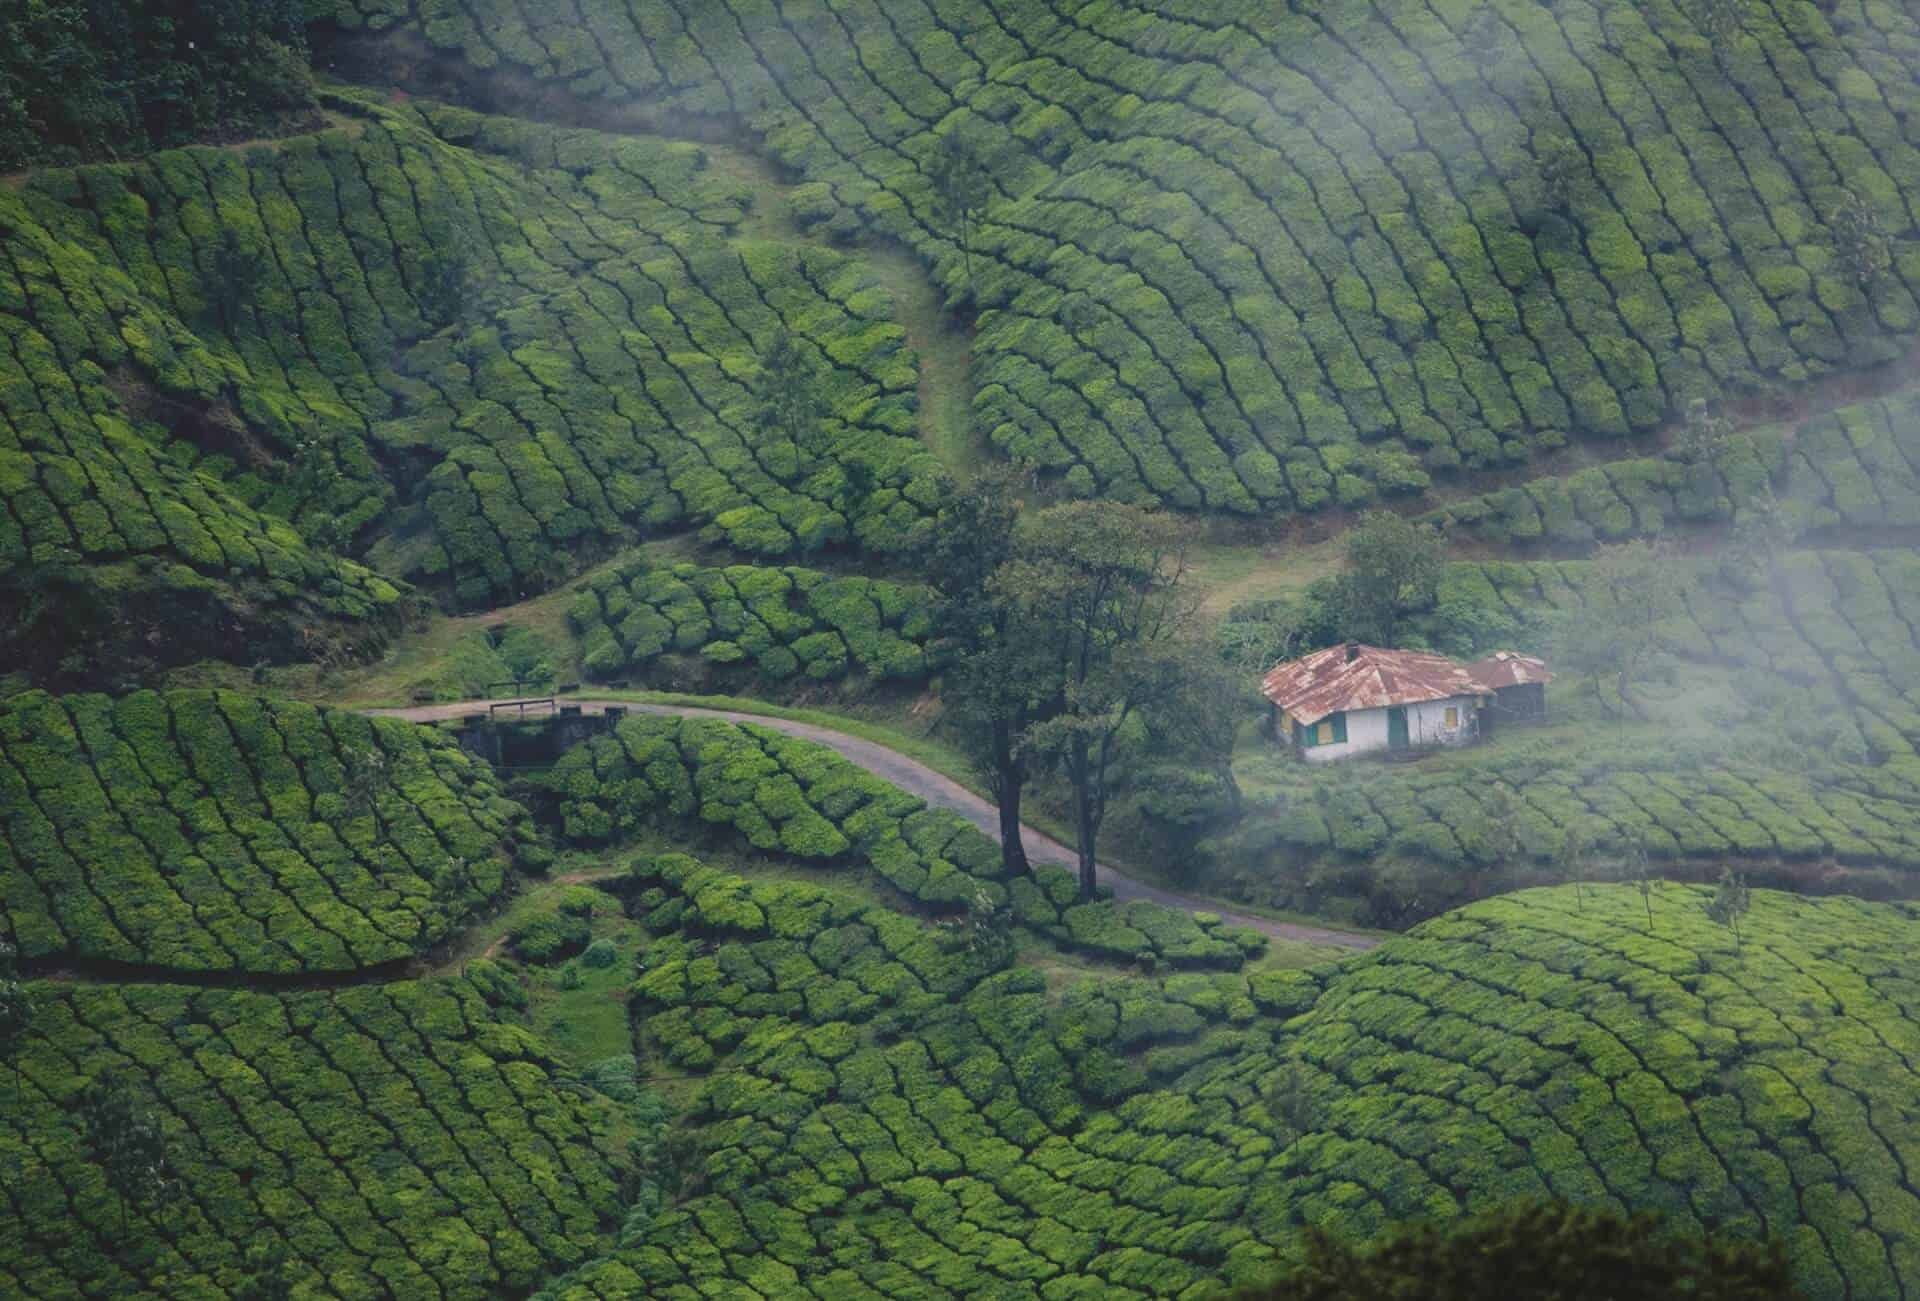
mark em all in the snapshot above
pixel 942 792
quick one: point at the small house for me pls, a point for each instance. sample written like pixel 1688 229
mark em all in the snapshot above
pixel 1518 687
pixel 1352 699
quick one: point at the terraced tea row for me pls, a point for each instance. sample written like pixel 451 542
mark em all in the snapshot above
pixel 1855 468
pixel 880 1121
pixel 1255 258
pixel 202 831
pixel 403 1140
pixel 796 798
pixel 780 622
pixel 472 350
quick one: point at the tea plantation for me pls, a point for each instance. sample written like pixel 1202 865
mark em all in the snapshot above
pixel 1853 468
pixel 397 1140
pixel 202 831
pixel 781 623
pixel 1247 257
pixel 469 350
pixel 880 1121
pixel 795 798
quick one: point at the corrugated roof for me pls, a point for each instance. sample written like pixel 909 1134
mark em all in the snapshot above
pixel 1508 669
pixel 1327 682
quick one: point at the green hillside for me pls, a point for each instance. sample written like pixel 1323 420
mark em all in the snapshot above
pixel 362 361
pixel 874 1124
pixel 1250 258
pixel 399 1140
pixel 199 831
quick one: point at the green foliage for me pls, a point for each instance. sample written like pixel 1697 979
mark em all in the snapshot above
pixel 1544 1251
pixel 93 79
pixel 401 1139
pixel 1300 244
pixel 207 831
pixel 798 799
pixel 775 623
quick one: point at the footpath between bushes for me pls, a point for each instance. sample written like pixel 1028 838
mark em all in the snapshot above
pixel 942 792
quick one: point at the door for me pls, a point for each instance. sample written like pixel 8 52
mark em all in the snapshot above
pixel 1396 728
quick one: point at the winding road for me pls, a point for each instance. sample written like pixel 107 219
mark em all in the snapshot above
pixel 942 792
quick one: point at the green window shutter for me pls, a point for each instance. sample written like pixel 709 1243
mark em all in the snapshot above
pixel 1339 729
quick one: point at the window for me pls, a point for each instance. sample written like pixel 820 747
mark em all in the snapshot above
pixel 1453 717
pixel 1331 730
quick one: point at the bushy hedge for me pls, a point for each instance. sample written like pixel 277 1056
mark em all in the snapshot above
pixel 799 799
pixel 1259 257
pixel 1855 467
pixel 877 1120
pixel 472 352
pixel 210 831
pixel 780 623
pixel 399 1140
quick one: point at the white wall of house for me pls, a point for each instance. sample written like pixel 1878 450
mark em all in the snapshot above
pixel 1366 730
pixel 1426 727
pixel 1427 722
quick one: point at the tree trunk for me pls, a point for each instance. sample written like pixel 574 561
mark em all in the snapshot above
pixel 1013 852
pixel 1084 825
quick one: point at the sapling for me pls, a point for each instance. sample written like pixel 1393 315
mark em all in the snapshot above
pixel 1730 902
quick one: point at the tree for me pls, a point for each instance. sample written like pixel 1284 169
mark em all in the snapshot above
pixel 1562 168
pixel 236 274
pixel 790 394
pixel 960 190
pixel 364 778
pixel 1101 590
pixel 1393 569
pixel 1858 239
pixel 16 1011
pixel 986 932
pixel 992 685
pixel 1730 902
pixel 1614 633
pixel 1763 527
pixel 1638 869
pixel 1287 1097
pixel 446 287
pixel 1705 435
pixel 1722 22
pixel 1534 1251
pixel 128 1143
pixel 1571 856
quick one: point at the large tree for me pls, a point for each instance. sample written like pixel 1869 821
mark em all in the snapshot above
pixel 961 184
pixel 1102 591
pixel 991 683
pixel 1393 568
pixel 1631 588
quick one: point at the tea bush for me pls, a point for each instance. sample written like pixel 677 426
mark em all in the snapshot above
pixel 878 1120
pixel 211 831
pixel 1254 258
pixel 396 1140
pixel 798 799
pixel 782 623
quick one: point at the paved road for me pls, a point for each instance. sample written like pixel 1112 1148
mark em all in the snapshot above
pixel 942 792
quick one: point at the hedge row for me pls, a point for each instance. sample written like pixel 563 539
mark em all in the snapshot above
pixel 1261 257
pixel 883 1117
pixel 1856 467
pixel 784 622
pixel 798 798
pixel 210 831
pixel 470 349
pixel 877 1120
pixel 399 1140
pixel 1547 1044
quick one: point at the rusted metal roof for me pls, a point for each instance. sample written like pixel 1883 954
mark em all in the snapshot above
pixel 1352 676
pixel 1508 669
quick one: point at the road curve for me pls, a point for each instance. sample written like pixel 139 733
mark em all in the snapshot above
pixel 942 792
